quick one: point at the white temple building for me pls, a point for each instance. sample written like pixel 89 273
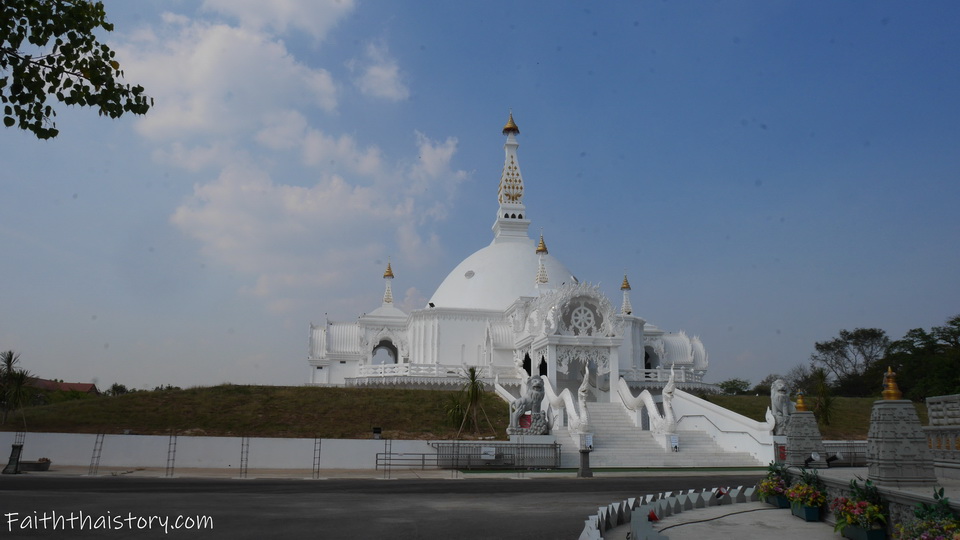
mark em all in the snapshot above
pixel 510 309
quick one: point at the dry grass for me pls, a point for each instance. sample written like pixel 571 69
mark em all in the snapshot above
pixel 266 411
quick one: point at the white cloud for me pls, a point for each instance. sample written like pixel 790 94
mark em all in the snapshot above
pixel 207 78
pixel 316 17
pixel 340 152
pixel 293 239
pixel 379 75
pixel 196 158
pixel 233 84
pixel 283 130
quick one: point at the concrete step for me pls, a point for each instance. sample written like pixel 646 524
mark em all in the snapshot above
pixel 619 443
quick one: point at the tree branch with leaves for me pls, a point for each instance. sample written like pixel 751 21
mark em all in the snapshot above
pixel 50 48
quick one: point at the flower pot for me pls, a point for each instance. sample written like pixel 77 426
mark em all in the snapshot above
pixel 854 532
pixel 806 513
pixel 779 501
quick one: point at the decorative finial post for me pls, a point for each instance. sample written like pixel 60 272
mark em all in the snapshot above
pixel 890 389
pixel 897 451
pixel 804 439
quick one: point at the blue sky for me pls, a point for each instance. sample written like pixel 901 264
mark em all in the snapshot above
pixel 767 173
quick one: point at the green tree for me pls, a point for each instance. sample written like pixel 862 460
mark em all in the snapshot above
pixel 926 363
pixel 49 48
pixel 117 389
pixel 734 386
pixel 847 357
pixel 799 379
pixel 13 384
pixel 763 387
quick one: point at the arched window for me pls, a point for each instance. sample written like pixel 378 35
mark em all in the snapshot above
pixel 527 363
pixel 543 366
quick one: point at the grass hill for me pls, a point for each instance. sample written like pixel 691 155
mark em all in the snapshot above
pixel 850 419
pixel 299 411
pixel 264 411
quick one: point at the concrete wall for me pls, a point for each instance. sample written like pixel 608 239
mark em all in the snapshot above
pixel 214 452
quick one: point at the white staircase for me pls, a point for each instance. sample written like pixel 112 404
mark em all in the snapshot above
pixel 618 443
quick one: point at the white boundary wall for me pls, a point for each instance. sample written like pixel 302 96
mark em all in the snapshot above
pixel 206 452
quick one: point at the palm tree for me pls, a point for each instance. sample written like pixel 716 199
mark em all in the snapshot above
pixel 823 405
pixel 471 398
pixel 13 384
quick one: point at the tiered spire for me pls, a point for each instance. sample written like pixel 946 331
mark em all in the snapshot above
pixel 542 277
pixel 626 308
pixel 511 220
pixel 388 277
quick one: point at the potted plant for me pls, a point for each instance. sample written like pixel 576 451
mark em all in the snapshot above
pixel 807 496
pixel 773 488
pixel 933 521
pixel 861 516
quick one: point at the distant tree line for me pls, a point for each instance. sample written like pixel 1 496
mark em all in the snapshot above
pixel 927 363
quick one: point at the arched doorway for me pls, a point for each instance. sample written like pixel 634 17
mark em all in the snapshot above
pixel 385 353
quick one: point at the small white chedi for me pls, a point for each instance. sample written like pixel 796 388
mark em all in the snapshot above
pixel 512 310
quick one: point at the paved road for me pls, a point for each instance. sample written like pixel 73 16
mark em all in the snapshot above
pixel 472 508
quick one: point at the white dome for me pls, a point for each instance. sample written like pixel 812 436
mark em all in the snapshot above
pixel 497 275
pixel 388 310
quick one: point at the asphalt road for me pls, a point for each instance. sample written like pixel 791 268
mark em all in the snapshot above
pixel 472 508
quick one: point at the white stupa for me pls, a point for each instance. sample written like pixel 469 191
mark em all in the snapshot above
pixel 510 309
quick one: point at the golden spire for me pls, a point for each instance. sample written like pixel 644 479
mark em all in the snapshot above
pixel 511 126
pixel 387 278
pixel 626 308
pixel 890 389
pixel 541 269
pixel 801 406
pixel 542 246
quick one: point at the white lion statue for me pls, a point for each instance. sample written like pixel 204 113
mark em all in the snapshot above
pixel 781 405
pixel 530 401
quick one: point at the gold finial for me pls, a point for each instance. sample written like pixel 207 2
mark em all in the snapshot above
pixel 801 406
pixel 625 286
pixel 542 247
pixel 511 126
pixel 890 389
pixel 389 272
